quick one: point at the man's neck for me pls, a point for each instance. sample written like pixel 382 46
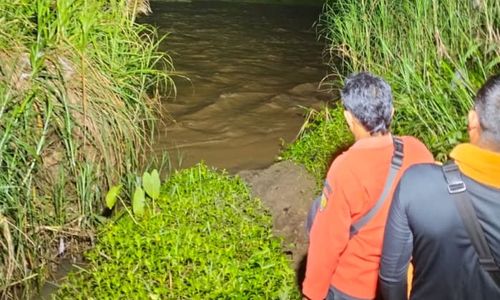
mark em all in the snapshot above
pixel 365 135
pixel 482 142
pixel 487 145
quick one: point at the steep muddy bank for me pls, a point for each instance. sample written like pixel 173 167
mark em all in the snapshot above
pixel 287 190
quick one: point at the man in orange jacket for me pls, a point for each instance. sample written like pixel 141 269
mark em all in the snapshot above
pixel 348 227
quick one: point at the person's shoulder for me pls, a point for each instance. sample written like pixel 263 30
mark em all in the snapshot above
pixel 340 164
pixel 420 186
pixel 422 173
pixel 423 169
pixel 413 143
pixel 416 150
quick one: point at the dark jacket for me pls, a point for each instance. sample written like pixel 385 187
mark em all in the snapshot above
pixel 425 224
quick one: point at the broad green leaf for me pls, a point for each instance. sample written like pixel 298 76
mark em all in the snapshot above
pixel 138 201
pixel 151 183
pixel 112 195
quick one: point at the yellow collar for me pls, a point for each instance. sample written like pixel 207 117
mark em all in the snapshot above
pixel 477 163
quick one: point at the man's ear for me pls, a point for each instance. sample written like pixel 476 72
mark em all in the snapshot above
pixel 474 127
pixel 349 119
pixel 473 119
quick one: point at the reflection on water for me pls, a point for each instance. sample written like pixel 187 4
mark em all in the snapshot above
pixel 251 66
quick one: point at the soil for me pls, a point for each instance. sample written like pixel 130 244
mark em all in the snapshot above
pixel 287 190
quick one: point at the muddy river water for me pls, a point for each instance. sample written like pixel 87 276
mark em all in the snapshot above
pixel 251 68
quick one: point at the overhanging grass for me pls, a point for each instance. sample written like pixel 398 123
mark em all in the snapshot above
pixel 74 108
pixel 206 238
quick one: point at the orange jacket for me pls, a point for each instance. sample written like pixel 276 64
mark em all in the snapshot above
pixel 353 184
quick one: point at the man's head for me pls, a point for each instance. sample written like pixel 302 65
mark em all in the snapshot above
pixel 484 118
pixel 368 105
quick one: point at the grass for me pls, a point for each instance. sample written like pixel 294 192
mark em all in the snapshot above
pixel 204 238
pixel 75 83
pixel 323 135
pixel 435 54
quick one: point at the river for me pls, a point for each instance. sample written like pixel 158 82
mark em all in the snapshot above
pixel 251 68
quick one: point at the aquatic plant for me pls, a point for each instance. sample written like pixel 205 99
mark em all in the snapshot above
pixel 75 108
pixel 150 185
pixel 206 238
pixel 435 54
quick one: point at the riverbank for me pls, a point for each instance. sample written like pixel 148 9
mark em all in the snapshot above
pixel 205 235
pixel 279 195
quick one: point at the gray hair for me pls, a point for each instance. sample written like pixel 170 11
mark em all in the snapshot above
pixel 369 99
pixel 487 106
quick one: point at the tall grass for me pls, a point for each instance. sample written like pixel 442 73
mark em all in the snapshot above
pixel 75 80
pixel 434 53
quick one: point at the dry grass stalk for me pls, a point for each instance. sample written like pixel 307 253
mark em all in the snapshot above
pixel 8 246
pixel 139 7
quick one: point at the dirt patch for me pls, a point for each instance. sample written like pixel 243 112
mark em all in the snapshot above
pixel 287 190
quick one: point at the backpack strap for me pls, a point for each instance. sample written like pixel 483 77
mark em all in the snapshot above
pixel 458 191
pixel 396 163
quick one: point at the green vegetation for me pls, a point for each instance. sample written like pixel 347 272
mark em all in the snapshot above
pixel 74 107
pixel 204 238
pixel 435 54
pixel 323 135
pixel 76 79
pixel 150 185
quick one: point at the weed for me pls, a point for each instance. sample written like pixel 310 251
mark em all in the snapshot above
pixel 207 239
